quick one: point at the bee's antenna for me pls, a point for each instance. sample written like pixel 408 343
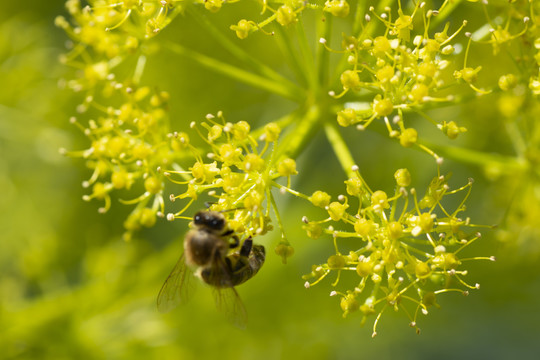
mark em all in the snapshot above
pixel 207 204
pixel 233 209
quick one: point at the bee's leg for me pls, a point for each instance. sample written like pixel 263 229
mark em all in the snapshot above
pixel 235 242
pixel 246 247
pixel 228 232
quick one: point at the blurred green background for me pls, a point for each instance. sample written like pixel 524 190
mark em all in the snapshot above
pixel 71 288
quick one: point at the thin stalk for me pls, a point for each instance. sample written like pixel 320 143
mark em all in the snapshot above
pixel 369 31
pixel 237 51
pixel 139 69
pixel 345 158
pixel 307 55
pixel 323 55
pixel 340 148
pixel 270 196
pixel 448 8
pixel 469 156
pixel 298 137
pixel 291 55
pixel 518 142
pixel 361 7
pixel 283 122
pixel 278 88
pixel 374 24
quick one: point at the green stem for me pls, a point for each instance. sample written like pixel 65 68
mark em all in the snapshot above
pixel 290 191
pixel 445 13
pixel 323 55
pixel 518 142
pixel 340 148
pixel 298 137
pixel 307 55
pixel 374 24
pixel 239 52
pixel 509 163
pixel 283 122
pixel 139 69
pixel 291 55
pixel 278 88
pixel 278 217
pixel 361 8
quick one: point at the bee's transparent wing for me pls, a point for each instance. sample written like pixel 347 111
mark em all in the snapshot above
pixel 227 299
pixel 228 302
pixel 177 288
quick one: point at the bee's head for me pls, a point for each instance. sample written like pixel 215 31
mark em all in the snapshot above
pixel 210 220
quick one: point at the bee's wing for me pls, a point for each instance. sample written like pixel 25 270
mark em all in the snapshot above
pixel 227 299
pixel 228 302
pixel 177 288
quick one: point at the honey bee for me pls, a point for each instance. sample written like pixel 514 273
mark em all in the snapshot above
pixel 207 249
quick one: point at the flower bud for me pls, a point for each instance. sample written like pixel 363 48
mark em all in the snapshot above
pixel 408 137
pixel 320 199
pixel 337 210
pixel 253 162
pixel 285 251
pixel 425 221
pixel 507 82
pixel 364 268
pixel 287 167
pixel 285 15
pixel 313 230
pixel 385 73
pixel 403 177
pixel 379 200
pixel 422 270
pixel 241 130
pixel 395 230
pixel 419 92
pixel 381 45
pixel 349 304
pixel 336 262
pixel 213 5
pixel 242 29
pixel 382 107
pixel 346 117
pixel 153 185
pixel 350 80
pixel 147 217
pixel 354 187
pixel 339 8
pixel 364 227
pixel 271 132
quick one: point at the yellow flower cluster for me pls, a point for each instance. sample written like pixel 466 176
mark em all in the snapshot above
pixel 128 123
pixel 287 13
pixel 399 257
pixel 104 34
pixel 137 18
pixel 405 67
pixel 127 144
pixel 239 172
pixel 400 253
pixel 519 39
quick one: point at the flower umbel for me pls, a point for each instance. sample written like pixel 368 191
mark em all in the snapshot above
pixel 404 255
pixel 239 173
pixel 397 61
